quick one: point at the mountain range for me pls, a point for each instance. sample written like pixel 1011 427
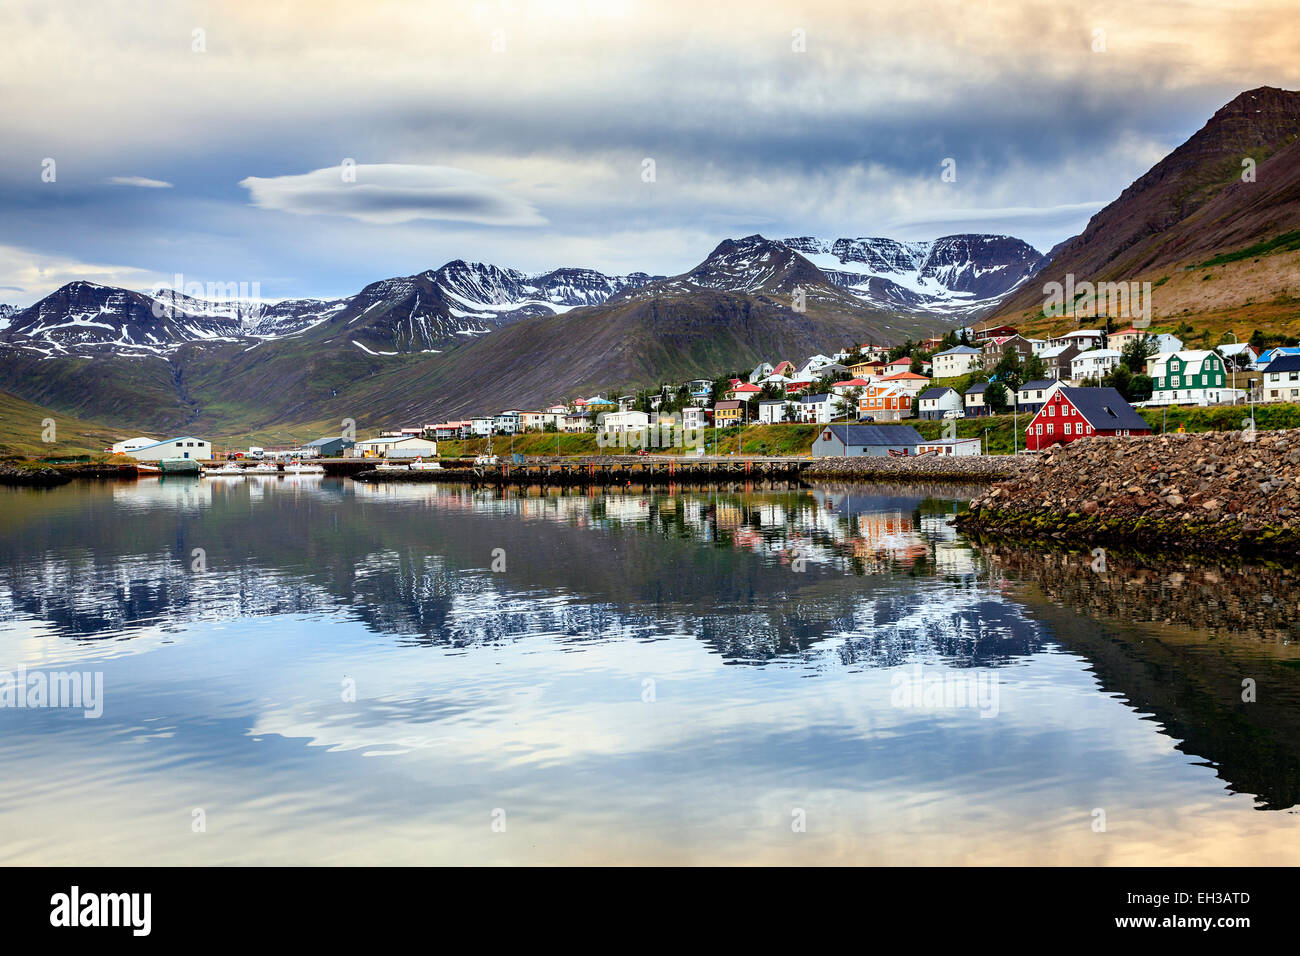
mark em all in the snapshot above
pixel 1219 247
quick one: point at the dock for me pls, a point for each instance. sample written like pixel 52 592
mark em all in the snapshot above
pixel 640 470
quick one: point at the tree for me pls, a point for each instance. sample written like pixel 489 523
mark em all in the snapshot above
pixel 1135 354
pixel 1008 371
pixel 995 397
pixel 847 404
pixel 1034 369
pixel 720 388
pixel 1140 387
pixel 1119 378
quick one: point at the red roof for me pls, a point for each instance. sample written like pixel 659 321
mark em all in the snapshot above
pixel 851 383
pixel 902 360
pixel 745 388
pixel 901 376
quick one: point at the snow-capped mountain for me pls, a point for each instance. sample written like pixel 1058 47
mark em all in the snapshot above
pixel 429 311
pixel 953 275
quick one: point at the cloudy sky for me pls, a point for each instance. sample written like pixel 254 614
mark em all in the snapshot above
pixel 314 147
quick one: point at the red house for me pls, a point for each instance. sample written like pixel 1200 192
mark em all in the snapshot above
pixel 1080 412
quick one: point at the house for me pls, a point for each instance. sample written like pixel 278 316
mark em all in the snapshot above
pixel 508 422
pixel 761 371
pixel 1073 413
pixel 327 447
pixel 1031 396
pixel 937 402
pixel 846 386
pixel 1282 380
pixel 774 412
pixel 481 426
pixel 1194 377
pixel 693 417
pixel 1269 355
pixel 1093 363
pixel 973 401
pixel 953 362
pixel 814 366
pixel 183 447
pixel 871 368
pixel 531 421
pixel 132 444
pixel 785 368
pixel 851 441
pixel 741 392
pixel 1037 346
pixel 1239 354
pixel 699 388
pixel 1164 342
pixel 886 403
pixel 729 413
pixel 1057 360
pixel 997 331
pixel 576 421
pixel 444 431
pixel 622 421
pixel 793 388
pixel 1084 338
pixel 996 347
pixel 949 446
pixel 817 409
pixel 908 380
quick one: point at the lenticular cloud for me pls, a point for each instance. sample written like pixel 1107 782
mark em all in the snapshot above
pixel 387 193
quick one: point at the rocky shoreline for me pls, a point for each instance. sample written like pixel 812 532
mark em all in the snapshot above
pixel 1234 491
pixel 31 476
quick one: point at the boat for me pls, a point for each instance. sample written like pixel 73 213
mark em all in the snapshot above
pixel 228 470
pixel 485 460
pixel 262 469
pixel 298 468
pixel 392 466
pixel 179 466
pixel 147 471
pixel 421 465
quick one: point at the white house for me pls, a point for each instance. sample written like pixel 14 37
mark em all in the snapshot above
pixel 955 361
pixel 762 371
pixel 811 368
pixel 1282 380
pixel 938 402
pixel 623 421
pixel 508 422
pixel 818 409
pixel 376 446
pixel 693 417
pixel 1033 395
pixel 481 426
pixel 1093 363
pixel 1085 339
pixel 773 412
pixel 1239 354
pixel 949 446
pixel 132 444
pixel 185 447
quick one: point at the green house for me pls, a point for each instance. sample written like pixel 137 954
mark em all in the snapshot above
pixel 1191 377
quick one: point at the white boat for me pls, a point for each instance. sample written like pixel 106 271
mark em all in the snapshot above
pixel 262 470
pixel 485 460
pixel 228 470
pixel 391 466
pixel 298 468
pixel 421 465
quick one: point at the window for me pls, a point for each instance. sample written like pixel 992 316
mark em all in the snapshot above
pixel 1067 428
pixel 1049 428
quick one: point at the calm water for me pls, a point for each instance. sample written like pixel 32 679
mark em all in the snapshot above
pixel 424 674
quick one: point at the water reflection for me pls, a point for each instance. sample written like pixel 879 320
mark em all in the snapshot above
pixel 500 643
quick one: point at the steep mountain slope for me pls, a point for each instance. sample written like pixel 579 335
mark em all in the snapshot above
pixel 1192 207
pixel 956 276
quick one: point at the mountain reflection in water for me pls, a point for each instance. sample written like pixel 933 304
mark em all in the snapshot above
pixel 572 655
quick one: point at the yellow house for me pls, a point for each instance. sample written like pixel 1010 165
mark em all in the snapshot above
pixel 728 413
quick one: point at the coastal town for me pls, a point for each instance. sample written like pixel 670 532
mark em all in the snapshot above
pixel 1079 384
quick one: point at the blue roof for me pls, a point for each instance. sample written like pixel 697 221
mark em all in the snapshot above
pixel 807 399
pixel 876 434
pixel 961 350
pixel 172 441
pixel 936 392
pixel 978 388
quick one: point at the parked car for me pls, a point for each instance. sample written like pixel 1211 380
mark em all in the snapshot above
pixel 954 413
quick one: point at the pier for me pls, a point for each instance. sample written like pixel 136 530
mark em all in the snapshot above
pixel 643 470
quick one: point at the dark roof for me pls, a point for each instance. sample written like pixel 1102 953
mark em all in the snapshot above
pixel 1038 383
pixel 728 405
pixel 876 434
pixel 1284 363
pixel 934 392
pixel 1104 408
pixel 322 442
pixel 977 387
pixel 809 399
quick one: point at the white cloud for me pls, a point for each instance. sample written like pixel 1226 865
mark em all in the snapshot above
pixel 387 193
pixel 27 276
pixel 139 181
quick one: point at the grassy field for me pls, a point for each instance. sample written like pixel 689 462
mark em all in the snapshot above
pixel 23 429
